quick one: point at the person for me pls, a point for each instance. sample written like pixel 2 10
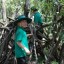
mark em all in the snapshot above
pixel 21 41
pixel 37 16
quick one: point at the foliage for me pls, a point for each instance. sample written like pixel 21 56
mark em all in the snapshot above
pixel 48 8
pixel 45 7
pixel 12 5
pixel 54 62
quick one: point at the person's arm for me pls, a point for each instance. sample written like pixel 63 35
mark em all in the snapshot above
pixel 21 46
pixel 19 38
pixel 29 35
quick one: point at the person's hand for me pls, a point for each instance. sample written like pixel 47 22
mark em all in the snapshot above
pixel 29 35
pixel 27 51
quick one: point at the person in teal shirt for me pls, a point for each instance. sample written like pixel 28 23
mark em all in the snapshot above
pixel 38 20
pixel 37 16
pixel 21 41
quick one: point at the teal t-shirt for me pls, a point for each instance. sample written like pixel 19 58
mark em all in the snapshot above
pixel 21 36
pixel 37 18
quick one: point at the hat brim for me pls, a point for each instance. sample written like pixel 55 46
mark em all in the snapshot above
pixel 27 19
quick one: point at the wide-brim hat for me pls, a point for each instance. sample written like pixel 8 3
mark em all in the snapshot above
pixel 22 17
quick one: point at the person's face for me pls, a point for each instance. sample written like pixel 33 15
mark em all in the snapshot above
pixel 23 23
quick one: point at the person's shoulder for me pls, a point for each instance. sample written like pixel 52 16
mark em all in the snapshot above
pixel 38 14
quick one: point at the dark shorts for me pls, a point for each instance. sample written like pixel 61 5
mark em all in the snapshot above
pixel 21 60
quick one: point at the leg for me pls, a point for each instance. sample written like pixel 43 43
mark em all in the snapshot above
pixel 21 60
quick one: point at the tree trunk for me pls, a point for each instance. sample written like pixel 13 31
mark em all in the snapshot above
pixel 26 7
pixel 4 11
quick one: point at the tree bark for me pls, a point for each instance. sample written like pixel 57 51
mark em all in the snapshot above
pixel 4 10
pixel 26 7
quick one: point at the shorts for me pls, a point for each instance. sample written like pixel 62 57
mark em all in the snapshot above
pixel 21 60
